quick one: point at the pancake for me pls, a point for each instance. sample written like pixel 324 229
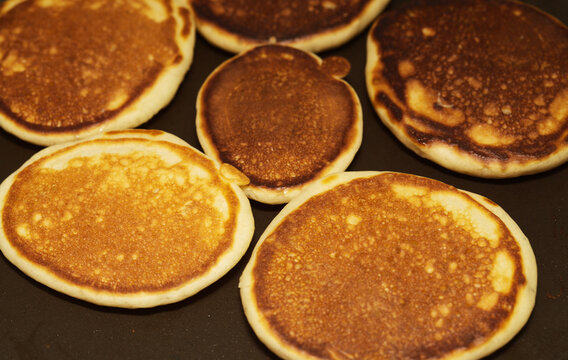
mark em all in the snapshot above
pixel 236 25
pixel 71 69
pixel 281 116
pixel 134 218
pixel 477 86
pixel 368 265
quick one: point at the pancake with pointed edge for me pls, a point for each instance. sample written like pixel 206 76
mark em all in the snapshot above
pixel 281 116
pixel 236 25
pixel 71 69
pixel 388 266
pixel 477 86
pixel 135 218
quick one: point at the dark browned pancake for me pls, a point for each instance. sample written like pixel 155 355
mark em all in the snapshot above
pixel 135 218
pixel 282 116
pixel 480 87
pixel 389 266
pixel 74 68
pixel 236 25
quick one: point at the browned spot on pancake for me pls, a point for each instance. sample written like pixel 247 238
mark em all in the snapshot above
pixel 488 77
pixel 75 64
pixel 282 20
pixel 277 117
pixel 394 110
pixel 122 222
pixel 178 59
pixel 388 272
pixel 186 16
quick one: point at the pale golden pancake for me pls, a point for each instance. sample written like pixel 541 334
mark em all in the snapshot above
pixel 369 265
pixel 70 69
pixel 136 218
pixel 477 86
pixel 281 116
pixel 236 25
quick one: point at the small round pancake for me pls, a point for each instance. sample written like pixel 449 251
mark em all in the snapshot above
pixel 281 116
pixel 71 69
pixel 134 218
pixel 368 265
pixel 477 86
pixel 236 25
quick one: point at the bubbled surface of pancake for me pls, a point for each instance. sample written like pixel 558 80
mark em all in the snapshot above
pixel 278 20
pixel 125 220
pixel 278 115
pixel 70 64
pixel 490 77
pixel 391 266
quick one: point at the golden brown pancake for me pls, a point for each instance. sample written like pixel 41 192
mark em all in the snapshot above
pixel 70 68
pixel 369 265
pixel 281 116
pixel 236 25
pixel 479 87
pixel 136 218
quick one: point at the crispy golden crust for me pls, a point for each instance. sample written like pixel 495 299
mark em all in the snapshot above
pixel 236 25
pixel 70 68
pixel 480 87
pixel 387 265
pixel 131 219
pixel 281 116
